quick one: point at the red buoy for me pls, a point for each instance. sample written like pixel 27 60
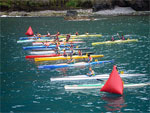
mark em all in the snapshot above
pixel 114 84
pixel 29 31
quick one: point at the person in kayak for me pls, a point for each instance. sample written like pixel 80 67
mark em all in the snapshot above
pixel 79 52
pixel 122 37
pixel 48 34
pixel 46 44
pixel 57 38
pixel 90 59
pixel 67 37
pixel 71 51
pixel 87 33
pixel 91 72
pixel 71 60
pixel 58 33
pixel 76 33
pixel 112 38
pixel 57 49
pixel 64 54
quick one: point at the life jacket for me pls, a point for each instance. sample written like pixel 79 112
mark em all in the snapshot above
pixel 64 54
pixel 79 53
pixel 77 33
pixel 89 58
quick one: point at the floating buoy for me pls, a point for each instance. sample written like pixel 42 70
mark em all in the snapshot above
pixel 114 84
pixel 29 31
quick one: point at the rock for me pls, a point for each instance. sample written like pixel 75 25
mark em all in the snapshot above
pixel 72 13
pixel 138 5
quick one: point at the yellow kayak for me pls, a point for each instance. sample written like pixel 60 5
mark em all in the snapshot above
pixel 116 41
pixel 65 58
pixel 81 36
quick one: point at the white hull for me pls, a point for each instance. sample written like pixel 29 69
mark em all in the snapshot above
pixel 95 86
pixel 84 77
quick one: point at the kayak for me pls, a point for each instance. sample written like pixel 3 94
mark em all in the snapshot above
pixel 50 46
pixel 65 58
pixel 48 52
pixel 34 37
pixel 52 49
pixel 43 40
pixel 95 86
pixel 85 77
pixel 71 65
pixel 53 54
pixel 81 36
pixel 116 41
pixel 42 43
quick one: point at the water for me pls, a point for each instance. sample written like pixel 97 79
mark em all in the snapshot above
pixel 24 88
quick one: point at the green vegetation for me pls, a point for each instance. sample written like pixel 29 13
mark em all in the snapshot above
pixel 35 5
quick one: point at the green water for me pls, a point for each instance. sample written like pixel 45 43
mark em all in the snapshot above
pixel 24 88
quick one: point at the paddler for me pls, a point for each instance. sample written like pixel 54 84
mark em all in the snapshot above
pixel 90 59
pixel 122 37
pixel 87 33
pixel 57 49
pixel 79 52
pixel 48 34
pixel 57 38
pixel 71 51
pixel 76 33
pixel 112 38
pixel 91 72
pixel 46 44
pixel 67 37
pixel 58 33
pixel 71 60
pixel 64 54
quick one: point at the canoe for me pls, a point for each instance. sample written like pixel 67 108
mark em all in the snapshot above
pixel 72 65
pixel 116 41
pixel 65 58
pixel 95 86
pixel 54 54
pixel 81 36
pixel 85 77
pixel 51 46
pixel 41 43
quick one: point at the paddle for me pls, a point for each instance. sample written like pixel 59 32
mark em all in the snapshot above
pixel 100 80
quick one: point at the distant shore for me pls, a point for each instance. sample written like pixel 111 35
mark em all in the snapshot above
pixel 81 12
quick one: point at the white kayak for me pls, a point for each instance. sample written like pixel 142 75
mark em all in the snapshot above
pixel 95 86
pixel 85 77
pixel 46 52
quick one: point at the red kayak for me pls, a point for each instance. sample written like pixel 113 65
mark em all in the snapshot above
pixel 36 56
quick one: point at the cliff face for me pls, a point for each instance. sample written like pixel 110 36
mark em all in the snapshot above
pixel 138 5
pixel 35 5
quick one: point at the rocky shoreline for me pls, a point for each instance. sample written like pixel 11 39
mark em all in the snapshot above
pixel 81 12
